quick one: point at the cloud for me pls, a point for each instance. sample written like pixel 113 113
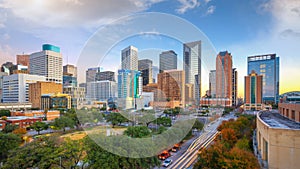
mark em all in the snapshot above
pixel 187 5
pixel 207 1
pixel 6 53
pixel 289 33
pixel 210 10
pixel 63 13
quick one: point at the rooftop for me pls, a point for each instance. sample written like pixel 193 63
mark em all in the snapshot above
pixel 276 120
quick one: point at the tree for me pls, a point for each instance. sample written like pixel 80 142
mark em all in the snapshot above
pixel 229 136
pixel 39 126
pixel 63 122
pixel 146 118
pixel 71 113
pixel 8 142
pixel 137 131
pixel 198 125
pixel 4 113
pixel 165 121
pixel 9 128
pixel 115 119
pixel 20 131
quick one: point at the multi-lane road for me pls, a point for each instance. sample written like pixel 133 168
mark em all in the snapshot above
pixel 188 154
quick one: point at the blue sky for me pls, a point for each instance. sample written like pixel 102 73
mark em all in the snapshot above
pixel 243 27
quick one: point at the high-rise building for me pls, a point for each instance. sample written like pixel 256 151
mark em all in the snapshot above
pixel 36 90
pixel 23 60
pixel 77 96
pixel 129 84
pixel 69 81
pixel 212 83
pixel 167 61
pixel 189 93
pixel 234 87
pixel 192 66
pixel 90 75
pixel 47 63
pixel 145 67
pixel 2 74
pixel 129 58
pixel 224 75
pixel 106 75
pixel 268 67
pixel 70 70
pixel 101 90
pixel 253 91
pixel 155 72
pixel 171 83
pixel 16 87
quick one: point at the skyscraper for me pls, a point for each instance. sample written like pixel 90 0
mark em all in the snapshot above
pixel 101 90
pixel 70 70
pixel 90 74
pixel 192 66
pixel 23 60
pixel 145 67
pixel 224 75
pixel 69 76
pixel 167 61
pixel 234 87
pixel 253 91
pixel 47 63
pixel 212 83
pixel 106 75
pixel 268 67
pixel 129 58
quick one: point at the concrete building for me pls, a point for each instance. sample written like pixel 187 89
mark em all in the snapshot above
pixel 148 98
pixel 16 87
pixel 145 67
pixel 234 87
pixel 223 102
pixel 77 96
pixel 2 74
pixel 56 101
pixel 192 66
pixel 90 75
pixel 212 83
pixel 47 63
pixel 69 81
pixel 106 75
pixel 23 60
pixel 289 105
pixel 129 58
pixel 47 115
pixel 189 94
pixel 277 140
pixel 253 92
pixel 8 68
pixel 268 67
pixel 70 70
pixel 101 90
pixel 152 87
pixel 36 90
pixel 171 83
pixel 167 61
pixel 224 75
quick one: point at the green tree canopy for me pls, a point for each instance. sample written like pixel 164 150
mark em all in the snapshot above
pixel 39 126
pixel 115 119
pixel 8 142
pixel 63 122
pixel 137 131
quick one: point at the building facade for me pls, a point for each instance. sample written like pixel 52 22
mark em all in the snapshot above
pixel 129 58
pixel 253 92
pixel 56 101
pixel 23 60
pixel 268 67
pixel 105 75
pixel 16 87
pixel 36 90
pixel 171 83
pixel 234 87
pixel 212 83
pixel 77 96
pixel 167 61
pixel 101 90
pixel 192 66
pixel 90 74
pixel 70 70
pixel 2 74
pixel 47 63
pixel 224 75
pixel 145 67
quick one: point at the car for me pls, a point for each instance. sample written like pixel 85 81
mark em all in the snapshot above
pixel 164 155
pixel 175 148
pixel 167 162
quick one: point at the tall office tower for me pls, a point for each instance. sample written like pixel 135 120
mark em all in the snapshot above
pixel 268 67
pixel 36 90
pixel 224 75
pixel 145 67
pixel 130 83
pixel 16 87
pixel 90 74
pixel 70 70
pixel 192 66
pixel 106 75
pixel 253 90
pixel 234 87
pixel 23 60
pixel 155 72
pixel 172 86
pixel 167 61
pixel 212 83
pixel 129 58
pixel 101 90
pixel 47 63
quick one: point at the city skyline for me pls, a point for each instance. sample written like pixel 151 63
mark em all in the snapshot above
pixel 277 32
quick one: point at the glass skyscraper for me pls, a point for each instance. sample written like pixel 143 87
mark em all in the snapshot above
pixel 268 67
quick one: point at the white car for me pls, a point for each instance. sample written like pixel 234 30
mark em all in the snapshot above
pixel 167 162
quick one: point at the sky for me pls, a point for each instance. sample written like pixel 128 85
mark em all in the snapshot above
pixel 242 27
